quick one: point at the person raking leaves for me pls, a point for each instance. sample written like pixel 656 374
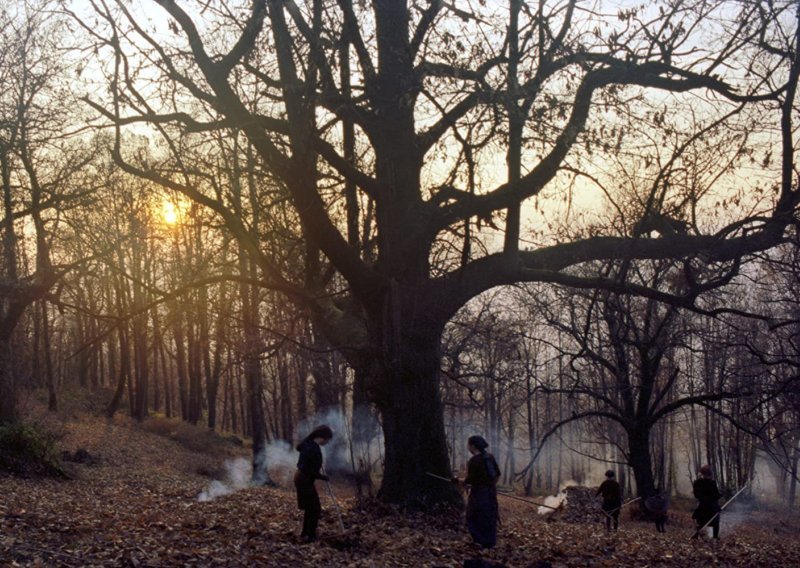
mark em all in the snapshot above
pixel 309 466
pixel 481 482
pixel 707 493
pixel 656 506
pixel 611 492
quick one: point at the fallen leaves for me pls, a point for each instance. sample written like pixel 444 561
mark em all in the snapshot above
pixel 136 505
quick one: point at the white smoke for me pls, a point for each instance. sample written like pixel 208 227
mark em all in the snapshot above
pixel 344 449
pixel 553 502
pixel 281 461
pixel 237 476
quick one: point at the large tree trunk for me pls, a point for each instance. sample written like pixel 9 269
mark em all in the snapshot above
pixel 413 422
pixel 640 461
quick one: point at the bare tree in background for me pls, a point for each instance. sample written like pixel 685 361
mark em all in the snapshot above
pixel 42 174
pixel 623 369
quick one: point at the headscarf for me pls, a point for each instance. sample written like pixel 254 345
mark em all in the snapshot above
pixel 479 442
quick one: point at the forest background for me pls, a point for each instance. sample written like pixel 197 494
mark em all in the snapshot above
pixel 568 226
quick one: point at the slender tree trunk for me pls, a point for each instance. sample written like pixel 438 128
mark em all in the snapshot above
pixel 180 362
pixel 285 397
pixel 301 387
pixel 155 348
pixel 365 427
pixel 8 387
pixel 510 459
pixel 793 478
pixel 244 407
pixel 214 367
pixel 195 371
pixel 140 348
pixel 326 393
pixel 124 371
pixel 52 400
pixel 531 432
pixel 83 356
pixel 258 423
pixel 233 380
pixel 252 371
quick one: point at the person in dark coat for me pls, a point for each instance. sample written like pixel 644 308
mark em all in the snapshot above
pixel 482 475
pixel 707 494
pixel 657 505
pixel 611 492
pixel 309 466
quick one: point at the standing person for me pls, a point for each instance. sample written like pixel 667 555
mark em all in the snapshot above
pixel 707 493
pixel 657 505
pixel 309 466
pixel 612 499
pixel 482 476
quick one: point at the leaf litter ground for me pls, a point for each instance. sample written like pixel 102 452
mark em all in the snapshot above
pixel 135 504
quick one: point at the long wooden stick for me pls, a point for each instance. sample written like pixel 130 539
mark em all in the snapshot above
pixel 735 495
pixel 335 502
pixel 625 504
pixel 500 493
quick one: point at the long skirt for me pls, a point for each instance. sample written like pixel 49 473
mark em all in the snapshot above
pixel 308 501
pixel 705 513
pixel 482 515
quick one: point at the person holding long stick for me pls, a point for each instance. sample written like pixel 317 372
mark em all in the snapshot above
pixel 309 466
pixel 611 492
pixel 482 475
pixel 656 506
pixel 707 494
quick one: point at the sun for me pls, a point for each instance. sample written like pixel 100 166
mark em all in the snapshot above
pixel 170 212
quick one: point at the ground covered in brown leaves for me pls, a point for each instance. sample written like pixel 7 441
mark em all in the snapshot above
pixel 133 502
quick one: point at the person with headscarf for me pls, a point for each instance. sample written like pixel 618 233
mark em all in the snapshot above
pixel 481 481
pixel 707 494
pixel 656 506
pixel 309 469
pixel 611 492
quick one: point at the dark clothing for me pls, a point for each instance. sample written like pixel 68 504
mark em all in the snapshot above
pixel 309 465
pixel 308 501
pixel 612 501
pixel 482 512
pixel 307 496
pixel 310 460
pixel 611 492
pixel 707 494
pixel 657 506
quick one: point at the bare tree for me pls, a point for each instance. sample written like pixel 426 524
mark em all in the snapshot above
pixel 623 360
pixel 41 177
pixel 432 78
